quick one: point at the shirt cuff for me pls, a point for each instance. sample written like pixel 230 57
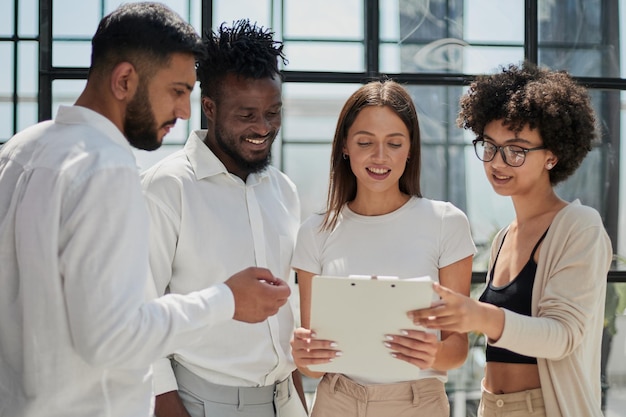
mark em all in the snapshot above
pixel 163 379
pixel 221 301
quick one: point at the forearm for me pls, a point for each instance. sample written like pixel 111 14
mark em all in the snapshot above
pixel 169 404
pixel 297 382
pixel 452 351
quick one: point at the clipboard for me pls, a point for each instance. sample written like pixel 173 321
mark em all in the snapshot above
pixel 358 311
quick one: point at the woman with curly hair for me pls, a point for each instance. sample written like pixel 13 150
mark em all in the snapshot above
pixel 543 306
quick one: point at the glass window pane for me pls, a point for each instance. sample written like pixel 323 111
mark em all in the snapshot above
pixel 230 11
pixel 324 19
pixel 491 21
pixel 450 36
pixel 580 37
pixel 65 92
pixel 325 56
pixel 71 54
pixel 308 167
pixel 6 75
pixel 28 69
pixel 75 19
pixel 26 112
pixel 6 120
pixel 28 18
pixel 6 20
pixel 310 111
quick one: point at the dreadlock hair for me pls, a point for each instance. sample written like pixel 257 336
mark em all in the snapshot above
pixel 245 50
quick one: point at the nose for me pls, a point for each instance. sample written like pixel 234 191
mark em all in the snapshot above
pixel 498 159
pixel 379 152
pixel 183 109
pixel 264 126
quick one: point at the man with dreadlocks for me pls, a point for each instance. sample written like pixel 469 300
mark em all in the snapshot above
pixel 217 206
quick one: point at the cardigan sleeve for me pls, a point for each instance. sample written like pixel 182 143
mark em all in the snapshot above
pixel 569 288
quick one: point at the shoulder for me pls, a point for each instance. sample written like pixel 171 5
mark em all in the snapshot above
pixel 441 209
pixel 170 170
pixel 579 215
pixel 312 223
pixel 279 177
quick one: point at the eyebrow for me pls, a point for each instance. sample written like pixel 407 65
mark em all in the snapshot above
pixel 183 84
pixel 512 140
pixel 365 132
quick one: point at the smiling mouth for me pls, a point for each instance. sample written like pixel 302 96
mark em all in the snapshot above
pixel 378 171
pixel 500 177
pixel 256 141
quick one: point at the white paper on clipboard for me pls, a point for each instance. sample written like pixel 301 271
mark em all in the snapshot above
pixel 358 311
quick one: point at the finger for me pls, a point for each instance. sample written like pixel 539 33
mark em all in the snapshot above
pixel 419 362
pixel 412 347
pixel 412 334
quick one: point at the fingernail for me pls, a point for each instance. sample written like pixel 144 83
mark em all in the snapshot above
pixel 333 344
pixel 404 332
pixel 409 315
pixel 338 353
pixel 313 334
pixel 389 337
pixel 387 344
pixel 393 355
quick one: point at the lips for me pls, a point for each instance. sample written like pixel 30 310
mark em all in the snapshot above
pixel 256 141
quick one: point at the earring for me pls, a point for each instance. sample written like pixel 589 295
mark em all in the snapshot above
pixel 345 157
pixel 549 166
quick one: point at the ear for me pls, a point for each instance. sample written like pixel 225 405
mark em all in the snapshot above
pixel 551 161
pixel 209 109
pixel 124 81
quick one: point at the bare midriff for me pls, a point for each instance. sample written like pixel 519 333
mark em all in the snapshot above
pixel 506 378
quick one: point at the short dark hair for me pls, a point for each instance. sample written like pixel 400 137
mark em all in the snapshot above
pixel 342 183
pixel 245 50
pixel 144 34
pixel 549 101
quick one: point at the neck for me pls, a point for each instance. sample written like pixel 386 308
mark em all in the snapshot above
pixel 377 205
pixel 528 209
pixel 98 101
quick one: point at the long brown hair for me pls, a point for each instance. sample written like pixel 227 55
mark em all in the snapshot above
pixel 342 183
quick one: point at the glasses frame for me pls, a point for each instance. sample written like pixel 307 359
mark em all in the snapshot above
pixel 502 153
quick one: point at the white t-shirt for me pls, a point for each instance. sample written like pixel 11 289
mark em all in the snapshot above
pixel 418 239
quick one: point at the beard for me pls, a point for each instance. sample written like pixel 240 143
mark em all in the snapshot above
pixel 139 123
pixel 228 145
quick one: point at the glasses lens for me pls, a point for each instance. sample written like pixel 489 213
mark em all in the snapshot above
pixel 514 155
pixel 485 151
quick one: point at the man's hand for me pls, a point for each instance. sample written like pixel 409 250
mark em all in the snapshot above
pixel 169 404
pixel 258 294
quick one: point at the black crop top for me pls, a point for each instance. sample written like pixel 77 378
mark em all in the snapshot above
pixel 515 296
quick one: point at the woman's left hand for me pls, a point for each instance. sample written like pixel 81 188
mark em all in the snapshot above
pixel 416 347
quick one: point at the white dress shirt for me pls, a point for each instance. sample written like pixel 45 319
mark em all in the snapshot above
pixel 76 337
pixel 207 224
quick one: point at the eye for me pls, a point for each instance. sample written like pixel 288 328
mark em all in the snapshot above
pixel 363 144
pixel 395 145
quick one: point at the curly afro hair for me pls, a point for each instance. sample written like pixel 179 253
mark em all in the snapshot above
pixel 550 101
pixel 245 50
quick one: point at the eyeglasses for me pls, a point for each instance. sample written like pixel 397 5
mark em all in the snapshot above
pixel 512 155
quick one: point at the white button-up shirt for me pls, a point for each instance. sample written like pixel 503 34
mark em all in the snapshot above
pixel 76 338
pixel 207 224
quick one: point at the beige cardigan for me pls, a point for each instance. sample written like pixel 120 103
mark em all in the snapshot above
pixel 565 330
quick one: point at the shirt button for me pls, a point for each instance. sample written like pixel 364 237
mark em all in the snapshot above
pixel 500 403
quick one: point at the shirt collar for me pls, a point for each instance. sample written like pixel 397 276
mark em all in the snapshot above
pixel 82 115
pixel 206 164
